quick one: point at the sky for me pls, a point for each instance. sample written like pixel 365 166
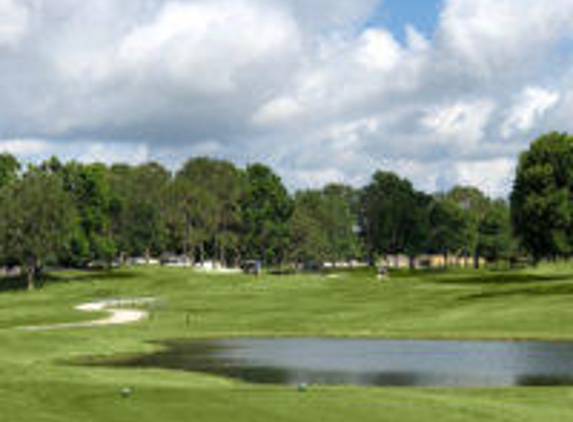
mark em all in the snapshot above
pixel 442 92
pixel 397 15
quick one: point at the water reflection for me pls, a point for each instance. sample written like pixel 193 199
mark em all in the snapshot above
pixel 370 362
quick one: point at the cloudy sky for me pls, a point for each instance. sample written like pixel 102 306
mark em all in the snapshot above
pixel 443 92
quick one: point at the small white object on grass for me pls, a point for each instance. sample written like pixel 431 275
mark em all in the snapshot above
pixel 126 392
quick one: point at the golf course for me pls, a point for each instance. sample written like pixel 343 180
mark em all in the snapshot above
pixel 42 377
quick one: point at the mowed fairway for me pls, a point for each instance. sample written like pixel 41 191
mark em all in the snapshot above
pixel 36 384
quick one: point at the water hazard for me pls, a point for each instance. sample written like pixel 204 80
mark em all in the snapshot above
pixel 370 362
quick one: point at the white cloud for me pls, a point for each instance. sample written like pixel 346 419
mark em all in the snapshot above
pixel 208 43
pixel 461 123
pixel 492 176
pixel 303 85
pixel 532 105
pixel 378 50
pixel 277 110
pixel 494 35
pixel 311 178
pixel 96 152
pixel 13 22
pixel 24 147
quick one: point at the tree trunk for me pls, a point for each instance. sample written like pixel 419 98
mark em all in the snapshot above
pixel 412 263
pixel 186 244
pixel 237 257
pixel 202 254
pixel 30 276
pixel 222 256
pixel 476 260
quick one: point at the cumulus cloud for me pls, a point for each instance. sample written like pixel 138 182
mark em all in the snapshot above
pixel 460 125
pixel 532 105
pixel 25 147
pixel 13 22
pixel 109 153
pixel 315 88
pixel 493 175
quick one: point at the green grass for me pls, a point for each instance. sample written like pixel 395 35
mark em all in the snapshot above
pixel 37 385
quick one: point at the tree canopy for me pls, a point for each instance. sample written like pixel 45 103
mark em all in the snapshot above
pixel 266 208
pixel 79 215
pixel 36 220
pixel 394 218
pixel 542 197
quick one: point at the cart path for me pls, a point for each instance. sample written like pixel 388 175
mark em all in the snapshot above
pixel 121 312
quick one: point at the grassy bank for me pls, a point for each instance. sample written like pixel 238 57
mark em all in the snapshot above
pixel 36 385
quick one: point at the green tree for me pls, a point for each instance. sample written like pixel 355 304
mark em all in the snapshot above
pixel 9 168
pixel 266 208
pixel 449 225
pixel 137 208
pixel 496 242
pixel 204 204
pixel 309 237
pixel 225 185
pixel 323 227
pixel 89 188
pixel 475 205
pixel 342 205
pixel 190 216
pixel 394 218
pixel 542 197
pixel 36 220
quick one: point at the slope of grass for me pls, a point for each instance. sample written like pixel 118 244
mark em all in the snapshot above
pixel 37 385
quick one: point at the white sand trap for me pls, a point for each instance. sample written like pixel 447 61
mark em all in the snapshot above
pixel 118 314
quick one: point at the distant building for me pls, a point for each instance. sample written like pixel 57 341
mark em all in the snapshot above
pixel 430 261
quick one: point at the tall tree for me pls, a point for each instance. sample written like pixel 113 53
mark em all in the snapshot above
pixel 341 222
pixel 495 233
pixel 394 217
pixel 449 227
pixel 474 204
pixel 138 203
pixel 89 188
pixel 309 237
pixel 9 168
pixel 219 185
pixel 36 220
pixel 323 227
pixel 266 208
pixel 542 197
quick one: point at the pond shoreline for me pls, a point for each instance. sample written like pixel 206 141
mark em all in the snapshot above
pixel 361 362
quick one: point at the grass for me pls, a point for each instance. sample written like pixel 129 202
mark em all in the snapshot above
pixel 36 384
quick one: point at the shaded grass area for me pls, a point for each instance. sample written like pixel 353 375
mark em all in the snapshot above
pixel 36 385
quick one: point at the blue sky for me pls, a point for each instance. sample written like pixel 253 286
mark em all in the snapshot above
pixel 397 14
pixel 302 85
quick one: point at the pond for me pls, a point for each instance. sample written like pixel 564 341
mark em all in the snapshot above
pixel 369 362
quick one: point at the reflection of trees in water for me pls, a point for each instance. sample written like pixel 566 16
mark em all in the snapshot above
pixel 544 381
pixel 397 379
pixel 255 375
pixel 238 361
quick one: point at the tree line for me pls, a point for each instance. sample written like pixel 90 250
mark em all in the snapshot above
pixel 77 215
